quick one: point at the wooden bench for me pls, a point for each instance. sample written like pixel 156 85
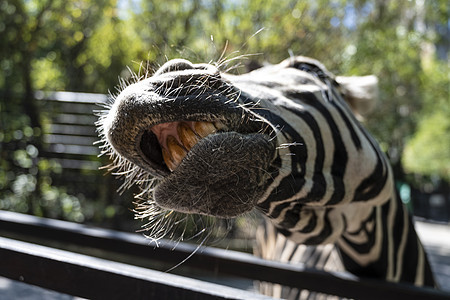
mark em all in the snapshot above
pixel 70 135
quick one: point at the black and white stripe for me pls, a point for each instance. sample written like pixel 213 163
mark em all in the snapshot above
pixel 333 184
pixel 307 163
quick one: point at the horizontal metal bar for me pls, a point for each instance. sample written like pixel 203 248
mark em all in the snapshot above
pixel 95 278
pixel 77 130
pixel 76 164
pixel 68 118
pixel 91 98
pixel 215 260
pixel 70 139
pixel 74 149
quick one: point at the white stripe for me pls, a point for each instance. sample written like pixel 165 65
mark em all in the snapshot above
pixel 390 237
pixel 285 169
pixel 374 253
pixel 286 159
pixel 337 226
pixel 401 248
pixel 420 265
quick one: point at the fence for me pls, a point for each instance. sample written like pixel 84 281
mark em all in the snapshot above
pixel 90 277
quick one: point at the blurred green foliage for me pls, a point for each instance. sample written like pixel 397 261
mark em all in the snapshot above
pixel 85 45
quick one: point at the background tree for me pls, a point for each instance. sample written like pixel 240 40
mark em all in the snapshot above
pixel 44 45
pixel 85 45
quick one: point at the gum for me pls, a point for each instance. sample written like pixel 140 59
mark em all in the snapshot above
pixel 163 130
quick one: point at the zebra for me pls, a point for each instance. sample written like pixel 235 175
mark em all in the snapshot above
pixel 283 139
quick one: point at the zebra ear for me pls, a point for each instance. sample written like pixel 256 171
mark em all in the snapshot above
pixel 361 92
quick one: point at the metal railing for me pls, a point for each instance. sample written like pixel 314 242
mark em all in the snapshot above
pixel 90 277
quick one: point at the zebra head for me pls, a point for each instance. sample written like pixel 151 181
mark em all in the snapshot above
pixel 222 145
pixel 284 139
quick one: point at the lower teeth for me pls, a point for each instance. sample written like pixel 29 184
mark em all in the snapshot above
pixel 177 147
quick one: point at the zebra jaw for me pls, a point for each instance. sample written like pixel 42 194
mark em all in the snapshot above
pixel 177 138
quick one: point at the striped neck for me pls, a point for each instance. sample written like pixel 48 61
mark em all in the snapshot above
pixel 329 180
pixel 386 246
pixel 340 192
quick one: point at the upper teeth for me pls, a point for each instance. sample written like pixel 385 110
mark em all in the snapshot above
pixel 177 138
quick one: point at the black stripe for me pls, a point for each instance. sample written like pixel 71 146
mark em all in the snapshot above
pixel 324 233
pixel 284 232
pixel 367 246
pixel 278 209
pixel 378 268
pixel 340 156
pixel 411 252
pixel 292 216
pixel 319 183
pixel 371 186
pixel 348 123
pixel 290 184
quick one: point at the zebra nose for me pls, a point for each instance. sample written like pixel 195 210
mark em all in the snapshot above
pixel 174 65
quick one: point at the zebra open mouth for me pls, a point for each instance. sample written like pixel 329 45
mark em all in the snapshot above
pixel 176 139
pixel 209 166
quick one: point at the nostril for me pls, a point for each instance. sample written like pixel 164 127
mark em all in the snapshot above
pixel 151 149
pixel 179 64
pixel 175 65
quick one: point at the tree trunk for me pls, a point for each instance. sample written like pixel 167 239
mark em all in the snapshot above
pixel 28 102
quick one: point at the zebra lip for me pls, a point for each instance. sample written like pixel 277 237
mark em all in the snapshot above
pixel 212 178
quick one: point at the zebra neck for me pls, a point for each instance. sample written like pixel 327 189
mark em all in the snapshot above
pixel 386 246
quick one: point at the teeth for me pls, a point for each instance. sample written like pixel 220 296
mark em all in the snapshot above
pixel 168 160
pixel 204 128
pixel 176 148
pixel 187 136
pixel 176 151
